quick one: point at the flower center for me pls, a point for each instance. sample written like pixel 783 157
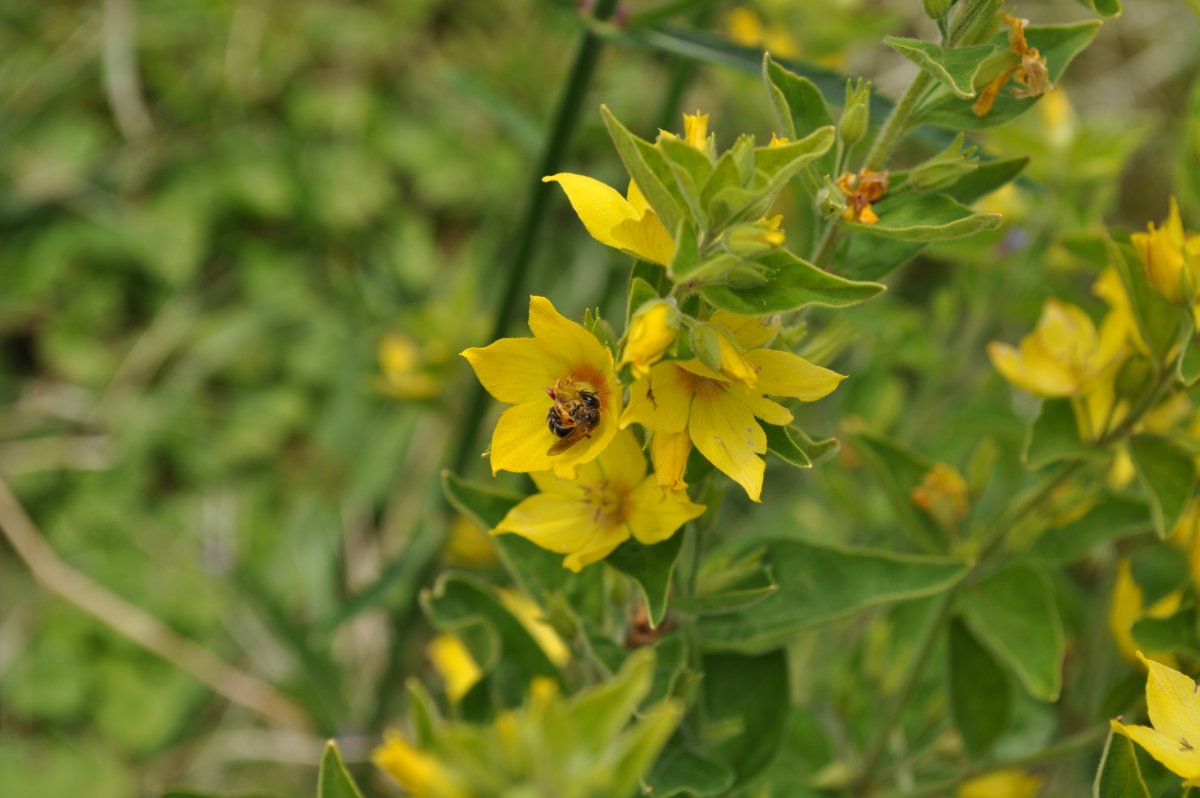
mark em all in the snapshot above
pixel 607 502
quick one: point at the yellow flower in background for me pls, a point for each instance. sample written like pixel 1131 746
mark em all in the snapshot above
pixel 611 500
pixel 1173 704
pixel 420 774
pixel 529 614
pixel 467 545
pixel 942 494
pixel 720 413
pixel 651 332
pixel 1064 355
pixel 1007 783
pixel 454 663
pixel 561 378
pixel 1108 286
pixel 1128 606
pixel 1172 260
pixel 624 223
pixel 746 28
pixel 402 366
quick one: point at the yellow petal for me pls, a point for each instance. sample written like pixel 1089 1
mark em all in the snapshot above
pixel 522 439
pixel 726 433
pixel 655 514
pixel 1031 369
pixel 414 770
pixel 659 402
pixel 570 342
pixel 1174 706
pixel 645 237
pixel 1007 783
pixel 651 332
pixel 669 452
pixel 621 463
pixel 637 200
pixel 598 546
pixel 600 207
pixel 1169 751
pixel 750 331
pixel 454 663
pixel 557 522
pixel 515 370
pixel 531 617
pixel 1124 610
pixel 766 409
pixel 787 374
pixel 695 130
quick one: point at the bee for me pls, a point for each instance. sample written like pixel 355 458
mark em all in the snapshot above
pixel 572 417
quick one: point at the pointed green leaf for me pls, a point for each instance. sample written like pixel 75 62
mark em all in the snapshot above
pixel 1114 517
pixel 898 470
pixel 651 567
pixel 863 256
pixel 746 693
pixel 686 258
pixel 774 166
pixel 998 611
pixel 989 176
pixel 980 695
pixel 648 168
pixel 818 583
pixel 730 601
pixel 1103 8
pixel 955 67
pixel 680 772
pixel 334 781
pixel 791 284
pixel 1058 44
pixel 1169 476
pixel 691 169
pixel 780 444
pixel 925 216
pixel 1054 436
pixel 799 105
pixel 1119 775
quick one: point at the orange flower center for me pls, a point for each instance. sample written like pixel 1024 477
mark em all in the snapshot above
pixel 608 502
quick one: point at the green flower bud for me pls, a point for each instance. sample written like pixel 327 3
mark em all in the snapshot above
pixel 754 238
pixel 937 9
pixel 946 168
pixel 856 112
pixel 831 202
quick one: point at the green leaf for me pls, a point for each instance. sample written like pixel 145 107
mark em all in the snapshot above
pixel 670 659
pixel 1169 476
pixel 1012 612
pixel 1118 775
pixel 989 176
pixel 334 781
pixel 651 567
pixel 780 444
pixel 955 67
pixel 869 257
pixel 485 505
pixel 924 216
pixel 791 284
pixel 1054 436
pixel 648 168
pixel 1058 44
pixel 729 601
pixel 774 166
pixel 816 451
pixel 691 169
pixel 1176 631
pixel 1112 518
pixel 819 583
pixel 980 695
pixel 1187 165
pixel 680 771
pixel 685 260
pixel 746 693
pixel 1104 8
pixel 799 105
pixel 898 470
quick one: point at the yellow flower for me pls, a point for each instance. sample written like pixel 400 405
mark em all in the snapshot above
pixel 746 28
pixel 610 500
pixel 1108 286
pixel 695 130
pixel 1173 704
pixel 454 663
pixel 1064 355
pixel 651 332
pixel 718 412
pixel 466 545
pixel 942 494
pixel 669 452
pixel 1172 259
pixel 1008 783
pixel 624 223
pixel 561 366
pixel 420 774
pixel 861 190
pixel 402 366
pixel 1128 606
pixel 1030 70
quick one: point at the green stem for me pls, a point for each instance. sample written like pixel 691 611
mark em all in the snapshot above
pixel 908 685
pixel 520 254
pixel 1067 747
pixel 897 123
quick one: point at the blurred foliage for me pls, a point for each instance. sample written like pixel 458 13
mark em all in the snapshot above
pixel 232 294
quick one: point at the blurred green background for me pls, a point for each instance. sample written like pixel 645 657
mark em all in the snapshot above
pixel 241 243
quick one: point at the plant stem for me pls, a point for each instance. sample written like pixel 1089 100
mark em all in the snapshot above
pixel 908 684
pixel 520 252
pixel 897 122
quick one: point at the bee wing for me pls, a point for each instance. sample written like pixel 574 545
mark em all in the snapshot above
pixel 573 437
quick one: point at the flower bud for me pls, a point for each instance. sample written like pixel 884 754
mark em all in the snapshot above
pixel 651 333
pixel 718 350
pixel 1171 258
pixel 937 9
pixel 946 168
pixel 856 112
pixel 831 202
pixel 755 238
